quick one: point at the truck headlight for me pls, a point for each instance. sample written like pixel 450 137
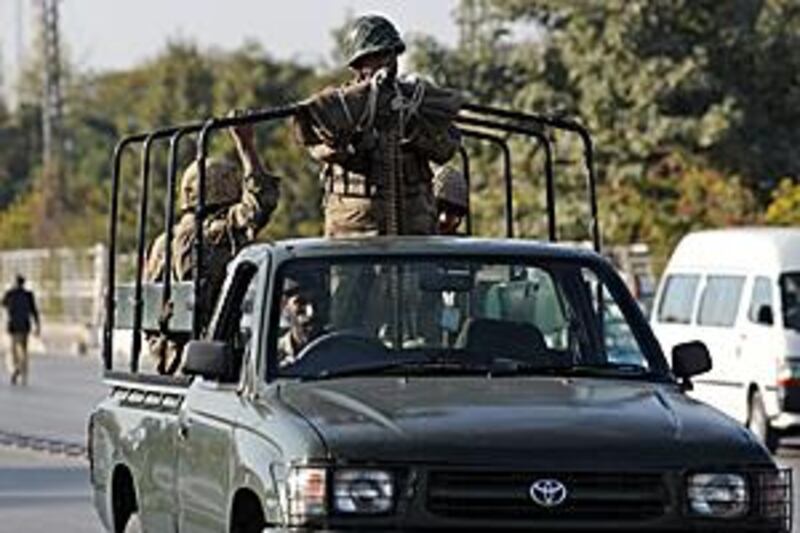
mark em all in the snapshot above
pixel 363 491
pixel 306 494
pixel 720 495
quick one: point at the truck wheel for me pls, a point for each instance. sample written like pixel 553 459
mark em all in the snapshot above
pixel 758 423
pixel 134 525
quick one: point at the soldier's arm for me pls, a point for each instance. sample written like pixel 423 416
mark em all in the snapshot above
pixel 327 124
pixel 435 140
pixel 260 188
pixel 154 261
pixel 431 131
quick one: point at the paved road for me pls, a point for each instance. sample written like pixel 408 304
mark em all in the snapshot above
pixel 44 492
pixel 40 491
pixel 57 401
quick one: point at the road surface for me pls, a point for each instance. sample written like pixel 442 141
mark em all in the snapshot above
pixel 39 490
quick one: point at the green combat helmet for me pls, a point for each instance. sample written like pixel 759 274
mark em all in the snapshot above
pixel 371 34
pixel 223 184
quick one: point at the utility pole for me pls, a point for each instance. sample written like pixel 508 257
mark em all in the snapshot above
pixel 3 80
pixel 52 98
pixel 52 103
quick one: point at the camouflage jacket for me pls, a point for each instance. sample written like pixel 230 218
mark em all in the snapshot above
pixel 225 232
pixel 352 157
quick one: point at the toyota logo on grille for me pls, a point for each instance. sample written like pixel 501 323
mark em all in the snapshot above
pixel 548 492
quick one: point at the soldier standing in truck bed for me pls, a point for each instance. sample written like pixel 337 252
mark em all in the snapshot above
pixel 372 171
pixel 238 205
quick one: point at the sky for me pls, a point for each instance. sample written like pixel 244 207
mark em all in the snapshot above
pixel 116 34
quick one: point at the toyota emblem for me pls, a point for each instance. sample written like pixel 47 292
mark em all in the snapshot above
pixel 548 492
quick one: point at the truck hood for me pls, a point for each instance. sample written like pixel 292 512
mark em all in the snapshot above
pixel 533 421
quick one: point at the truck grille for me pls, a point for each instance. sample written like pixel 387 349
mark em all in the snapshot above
pixel 506 496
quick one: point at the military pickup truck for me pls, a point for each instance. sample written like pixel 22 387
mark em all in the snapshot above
pixel 444 383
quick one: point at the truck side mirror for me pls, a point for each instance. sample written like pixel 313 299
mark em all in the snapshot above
pixel 213 360
pixel 690 359
pixel 765 315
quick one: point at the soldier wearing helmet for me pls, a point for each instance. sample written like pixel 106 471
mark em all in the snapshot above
pixel 347 129
pixel 452 199
pixel 238 204
pixel 373 43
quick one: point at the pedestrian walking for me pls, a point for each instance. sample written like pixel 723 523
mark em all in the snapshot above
pixel 20 307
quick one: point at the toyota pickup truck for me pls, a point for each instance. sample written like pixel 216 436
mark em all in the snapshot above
pixel 439 383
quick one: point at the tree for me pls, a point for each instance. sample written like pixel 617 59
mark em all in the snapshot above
pixel 713 78
pixel 715 81
pixel 182 84
pixel 678 194
pixel 784 210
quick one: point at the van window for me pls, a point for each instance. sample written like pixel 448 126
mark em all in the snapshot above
pixel 720 301
pixel 678 299
pixel 790 298
pixel 761 297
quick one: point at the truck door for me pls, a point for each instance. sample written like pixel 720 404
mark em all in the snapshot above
pixel 206 423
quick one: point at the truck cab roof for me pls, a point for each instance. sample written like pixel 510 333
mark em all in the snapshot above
pixel 417 245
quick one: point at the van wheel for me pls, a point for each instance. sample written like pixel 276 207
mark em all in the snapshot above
pixel 758 423
pixel 134 525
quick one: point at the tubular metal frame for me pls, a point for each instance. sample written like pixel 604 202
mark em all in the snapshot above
pixel 499 120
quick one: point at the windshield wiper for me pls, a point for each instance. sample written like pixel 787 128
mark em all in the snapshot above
pixel 416 367
pixel 622 370
pixel 625 369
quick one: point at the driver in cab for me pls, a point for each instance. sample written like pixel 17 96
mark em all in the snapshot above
pixel 301 315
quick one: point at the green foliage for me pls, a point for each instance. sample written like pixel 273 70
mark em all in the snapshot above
pixel 694 106
pixel 16 222
pixel 676 195
pixel 182 84
pixel 717 81
pixel 784 210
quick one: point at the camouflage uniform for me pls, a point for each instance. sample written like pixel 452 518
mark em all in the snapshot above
pixel 354 151
pixel 238 207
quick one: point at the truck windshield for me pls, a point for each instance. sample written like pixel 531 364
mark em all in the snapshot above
pixel 453 316
pixel 790 300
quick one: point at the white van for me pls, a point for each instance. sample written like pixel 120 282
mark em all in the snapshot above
pixel 738 291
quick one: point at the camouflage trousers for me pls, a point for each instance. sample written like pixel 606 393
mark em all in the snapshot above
pixel 355 216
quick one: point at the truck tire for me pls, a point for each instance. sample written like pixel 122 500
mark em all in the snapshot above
pixel 758 423
pixel 134 525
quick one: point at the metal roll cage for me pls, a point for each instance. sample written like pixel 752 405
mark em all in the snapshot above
pixel 478 122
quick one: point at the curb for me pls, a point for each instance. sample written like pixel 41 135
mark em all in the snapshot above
pixel 47 445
